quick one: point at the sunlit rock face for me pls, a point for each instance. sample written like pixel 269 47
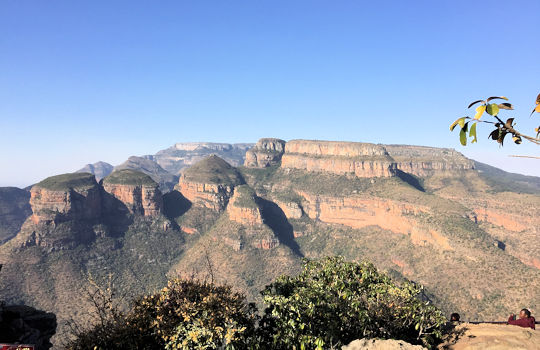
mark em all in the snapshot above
pixel 267 152
pixel 345 158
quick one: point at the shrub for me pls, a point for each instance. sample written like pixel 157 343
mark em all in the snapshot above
pixel 187 314
pixel 332 302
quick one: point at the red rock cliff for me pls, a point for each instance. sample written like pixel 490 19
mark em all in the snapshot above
pixel 265 153
pixel 359 159
pixel 137 191
pixel 66 197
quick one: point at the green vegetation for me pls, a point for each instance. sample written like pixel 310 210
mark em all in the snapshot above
pixel 65 182
pixel 502 128
pixel 213 170
pixel 129 177
pixel 502 181
pixel 331 302
pixel 245 197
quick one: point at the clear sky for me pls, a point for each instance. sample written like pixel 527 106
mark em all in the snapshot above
pixel 83 81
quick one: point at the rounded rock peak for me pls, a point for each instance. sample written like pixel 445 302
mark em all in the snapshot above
pixel 213 170
pixel 65 182
pixel 129 177
pixel 270 144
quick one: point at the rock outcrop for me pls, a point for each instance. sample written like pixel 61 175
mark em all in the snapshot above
pixel 25 325
pixel 99 169
pixel 183 155
pixel 381 344
pixel 243 207
pixel 210 183
pixel 166 180
pixel 137 191
pixel 266 152
pixel 426 161
pixel 75 196
pixel 344 158
pixel 485 336
pixel 359 212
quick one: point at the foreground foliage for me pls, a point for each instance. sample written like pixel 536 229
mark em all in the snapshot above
pixel 332 302
pixel 187 314
pixel 329 304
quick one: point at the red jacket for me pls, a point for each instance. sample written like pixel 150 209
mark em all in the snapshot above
pixel 523 322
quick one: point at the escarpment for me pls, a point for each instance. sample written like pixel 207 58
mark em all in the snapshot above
pixel 66 197
pixel 136 191
pixel 426 161
pixel 346 158
pixel 266 152
pixel 210 183
pixel 243 207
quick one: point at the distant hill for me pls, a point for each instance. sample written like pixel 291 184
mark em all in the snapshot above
pixel 501 180
pixel 165 179
pixel 14 209
pixel 99 169
pixel 183 155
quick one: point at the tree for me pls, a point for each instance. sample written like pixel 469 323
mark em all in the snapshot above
pixel 332 302
pixel 502 128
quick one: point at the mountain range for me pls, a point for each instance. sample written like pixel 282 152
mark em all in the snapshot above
pixel 245 214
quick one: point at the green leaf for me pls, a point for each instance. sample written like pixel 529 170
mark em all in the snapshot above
pixel 492 109
pixel 460 121
pixel 479 111
pixel 472 133
pixel 463 137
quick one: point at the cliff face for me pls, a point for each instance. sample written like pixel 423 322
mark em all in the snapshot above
pixel 137 191
pixel 425 161
pixel 359 212
pixel 354 158
pixel 243 208
pixel 210 183
pixel 266 152
pixel 66 197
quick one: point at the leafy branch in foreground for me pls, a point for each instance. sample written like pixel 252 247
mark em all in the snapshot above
pixel 502 128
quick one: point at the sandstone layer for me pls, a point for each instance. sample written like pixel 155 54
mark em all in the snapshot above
pixel 266 152
pixel 66 197
pixel 359 212
pixel 243 207
pixel 353 158
pixel 136 191
pixel 425 161
pixel 210 183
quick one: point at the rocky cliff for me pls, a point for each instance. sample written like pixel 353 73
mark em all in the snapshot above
pixel 99 169
pixel 136 191
pixel 425 161
pixel 350 158
pixel 361 211
pixel 66 197
pixel 243 207
pixel 266 152
pixel 210 183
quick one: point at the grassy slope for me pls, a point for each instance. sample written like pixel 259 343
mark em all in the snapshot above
pixel 66 181
pixel 129 177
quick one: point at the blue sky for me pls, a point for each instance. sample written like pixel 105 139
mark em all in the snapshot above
pixel 83 81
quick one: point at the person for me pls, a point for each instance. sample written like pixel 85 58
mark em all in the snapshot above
pixel 454 317
pixel 525 319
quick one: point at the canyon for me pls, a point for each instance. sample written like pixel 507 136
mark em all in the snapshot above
pixel 419 213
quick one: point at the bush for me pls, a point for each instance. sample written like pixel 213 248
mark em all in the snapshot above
pixel 187 314
pixel 332 302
